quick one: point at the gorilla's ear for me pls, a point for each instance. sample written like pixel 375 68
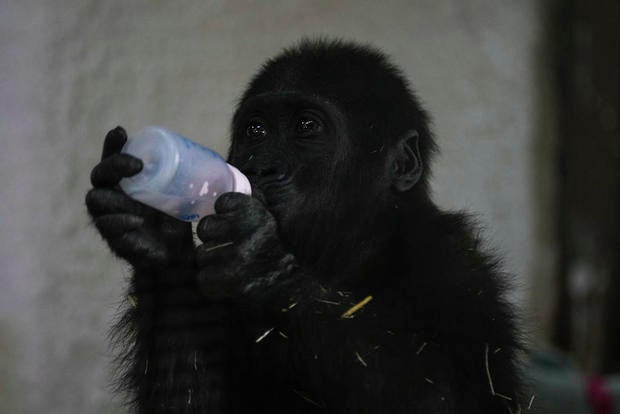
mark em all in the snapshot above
pixel 407 164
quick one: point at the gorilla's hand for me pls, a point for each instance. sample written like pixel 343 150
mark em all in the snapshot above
pixel 138 233
pixel 242 254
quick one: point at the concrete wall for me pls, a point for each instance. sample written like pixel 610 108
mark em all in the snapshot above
pixel 71 70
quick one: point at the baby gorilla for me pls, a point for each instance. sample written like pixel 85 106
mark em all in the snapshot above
pixel 337 287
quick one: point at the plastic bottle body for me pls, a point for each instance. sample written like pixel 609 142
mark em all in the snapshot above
pixel 179 177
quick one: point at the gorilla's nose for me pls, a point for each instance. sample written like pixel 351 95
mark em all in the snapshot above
pixel 276 171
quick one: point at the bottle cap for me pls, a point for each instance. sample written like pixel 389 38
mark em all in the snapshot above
pixel 241 184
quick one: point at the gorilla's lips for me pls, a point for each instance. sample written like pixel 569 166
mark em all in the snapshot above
pixel 271 189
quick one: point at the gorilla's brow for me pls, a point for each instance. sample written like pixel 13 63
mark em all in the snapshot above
pixel 315 98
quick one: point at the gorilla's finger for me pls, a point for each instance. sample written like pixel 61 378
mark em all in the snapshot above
pixel 172 228
pixel 214 227
pixel 114 141
pixel 230 202
pixel 103 201
pixel 110 170
pixel 135 245
pixel 115 225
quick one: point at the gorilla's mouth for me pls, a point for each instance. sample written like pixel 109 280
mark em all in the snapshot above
pixel 271 177
pixel 272 189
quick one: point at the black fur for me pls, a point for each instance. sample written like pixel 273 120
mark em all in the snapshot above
pixel 253 320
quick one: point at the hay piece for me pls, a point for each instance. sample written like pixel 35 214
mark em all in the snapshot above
pixel 219 246
pixel 486 366
pixel 133 301
pixel 356 307
pixel 329 302
pixel 529 406
pixel 497 394
pixel 263 336
pixel 361 360
pixel 306 398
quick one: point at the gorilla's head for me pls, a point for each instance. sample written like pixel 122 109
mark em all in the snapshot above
pixel 332 137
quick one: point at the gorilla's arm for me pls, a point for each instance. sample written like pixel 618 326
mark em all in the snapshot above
pixel 170 337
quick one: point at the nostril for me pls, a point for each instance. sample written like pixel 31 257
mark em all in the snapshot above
pixel 276 171
pixel 259 172
pixel 252 172
pixel 273 172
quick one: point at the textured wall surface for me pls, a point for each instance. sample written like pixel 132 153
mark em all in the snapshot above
pixel 71 70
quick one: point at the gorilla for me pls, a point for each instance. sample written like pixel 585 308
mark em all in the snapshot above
pixel 337 287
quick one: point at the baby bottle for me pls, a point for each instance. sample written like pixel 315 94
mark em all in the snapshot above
pixel 178 176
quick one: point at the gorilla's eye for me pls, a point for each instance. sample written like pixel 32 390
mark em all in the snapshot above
pixel 308 126
pixel 256 130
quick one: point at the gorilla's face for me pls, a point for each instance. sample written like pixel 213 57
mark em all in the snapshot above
pixel 293 148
